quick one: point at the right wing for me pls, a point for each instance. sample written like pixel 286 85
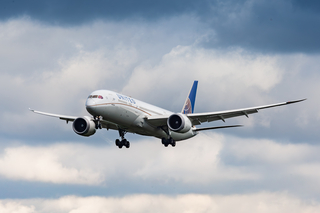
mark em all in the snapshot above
pixel 198 118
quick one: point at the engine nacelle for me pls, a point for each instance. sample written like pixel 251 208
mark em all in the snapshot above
pixel 84 126
pixel 179 123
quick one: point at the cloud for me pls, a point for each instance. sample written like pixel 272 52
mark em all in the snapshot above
pixel 75 12
pixel 264 26
pixel 215 70
pixel 257 202
pixel 196 162
pixel 17 207
pixel 243 54
pixel 236 79
pixel 206 163
pixel 52 68
pixel 82 164
pixel 43 164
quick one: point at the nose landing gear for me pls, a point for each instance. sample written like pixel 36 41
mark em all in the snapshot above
pixel 97 120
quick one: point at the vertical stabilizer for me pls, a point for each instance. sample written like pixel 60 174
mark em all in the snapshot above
pixel 188 106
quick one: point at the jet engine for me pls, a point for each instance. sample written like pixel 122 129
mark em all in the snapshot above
pixel 84 126
pixel 179 123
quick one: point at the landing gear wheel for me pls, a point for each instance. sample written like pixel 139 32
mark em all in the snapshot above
pixel 166 142
pixel 163 141
pixel 123 141
pixel 127 144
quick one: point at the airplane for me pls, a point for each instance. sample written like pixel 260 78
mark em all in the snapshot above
pixel 112 110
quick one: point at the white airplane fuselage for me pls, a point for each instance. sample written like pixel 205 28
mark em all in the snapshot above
pixel 129 113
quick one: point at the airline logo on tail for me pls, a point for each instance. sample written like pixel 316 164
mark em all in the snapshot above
pixel 188 107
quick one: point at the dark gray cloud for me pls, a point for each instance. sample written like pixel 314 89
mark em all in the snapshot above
pixel 77 12
pixel 312 5
pixel 266 26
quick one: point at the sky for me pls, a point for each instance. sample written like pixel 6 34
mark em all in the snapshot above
pixel 243 53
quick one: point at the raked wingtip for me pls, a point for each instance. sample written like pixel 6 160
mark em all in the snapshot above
pixel 292 102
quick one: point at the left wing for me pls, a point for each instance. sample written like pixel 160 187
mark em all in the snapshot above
pixel 105 124
pixel 198 118
pixel 62 117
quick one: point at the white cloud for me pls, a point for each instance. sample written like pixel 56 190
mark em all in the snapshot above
pixel 43 164
pixel 55 68
pixel 262 202
pixel 15 207
pixel 233 72
pixel 208 158
pixel 196 161
pixel 271 152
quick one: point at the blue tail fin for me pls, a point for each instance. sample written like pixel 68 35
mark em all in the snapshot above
pixel 188 106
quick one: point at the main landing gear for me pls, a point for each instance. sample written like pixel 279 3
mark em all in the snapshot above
pixel 166 142
pixel 123 141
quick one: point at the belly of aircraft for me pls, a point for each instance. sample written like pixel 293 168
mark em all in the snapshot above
pixel 132 120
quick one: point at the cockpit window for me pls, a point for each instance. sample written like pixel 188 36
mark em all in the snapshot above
pixel 96 96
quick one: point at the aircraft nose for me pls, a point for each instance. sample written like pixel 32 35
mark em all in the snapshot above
pixel 90 102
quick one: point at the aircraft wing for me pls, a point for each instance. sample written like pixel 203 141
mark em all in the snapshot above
pixel 157 120
pixel 198 118
pixel 105 124
pixel 109 125
pixel 62 117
